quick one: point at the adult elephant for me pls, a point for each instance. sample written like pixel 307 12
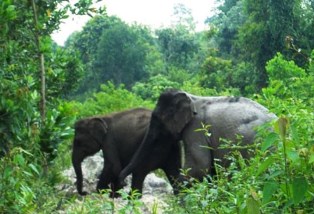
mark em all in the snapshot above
pixel 118 135
pixel 179 115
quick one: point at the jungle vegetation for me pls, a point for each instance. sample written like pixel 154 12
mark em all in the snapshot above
pixel 259 49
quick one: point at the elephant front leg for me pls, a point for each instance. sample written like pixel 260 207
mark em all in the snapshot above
pixel 105 178
pixel 137 182
pixel 172 167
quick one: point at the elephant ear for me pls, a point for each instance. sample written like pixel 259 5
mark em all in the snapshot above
pixel 182 113
pixel 98 128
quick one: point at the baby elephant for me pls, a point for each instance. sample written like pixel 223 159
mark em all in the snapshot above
pixel 118 135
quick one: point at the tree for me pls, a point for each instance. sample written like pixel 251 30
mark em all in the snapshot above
pixel 113 50
pixel 178 47
pixel 28 141
pixel 264 32
pixel 254 31
pixel 121 55
pixel 178 43
pixel 183 18
pixel 24 40
pixel 228 21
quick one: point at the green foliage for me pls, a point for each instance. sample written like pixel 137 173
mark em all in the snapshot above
pixel 113 51
pixel 153 87
pixel 27 182
pixel 109 99
pixel 252 32
pixel 121 55
pixel 86 41
pixel 26 178
pixel 276 179
pixel 19 71
pixel 215 73
pixel 177 46
pixel 287 80
pixel 57 130
pixel 15 167
pixel 280 69
pixel 102 203
pixel 18 115
pixel 221 75
pixel 225 26
pixel 25 186
pixel 154 62
pixel 64 72
pixel 125 54
pixel 194 87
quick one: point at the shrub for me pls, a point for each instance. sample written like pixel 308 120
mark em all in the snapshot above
pixel 109 99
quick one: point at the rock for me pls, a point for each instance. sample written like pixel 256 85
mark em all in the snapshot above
pixel 91 168
pixel 154 185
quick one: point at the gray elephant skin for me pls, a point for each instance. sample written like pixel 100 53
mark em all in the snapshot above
pixel 118 135
pixel 178 115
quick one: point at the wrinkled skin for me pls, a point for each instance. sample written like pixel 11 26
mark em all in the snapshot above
pixel 118 136
pixel 178 114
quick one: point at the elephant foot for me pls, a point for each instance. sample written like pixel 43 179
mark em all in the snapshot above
pixel 83 193
pixel 102 190
pixel 114 194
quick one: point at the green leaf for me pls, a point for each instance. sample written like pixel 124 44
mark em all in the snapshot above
pixel 268 191
pixel 311 158
pixel 299 188
pixel 269 141
pixel 276 173
pixel 281 126
pixel 293 155
pixel 265 165
pixel 19 159
pixel 33 167
pixel 7 172
pixel 253 206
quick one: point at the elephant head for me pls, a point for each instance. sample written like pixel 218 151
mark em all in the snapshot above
pixel 93 131
pixel 174 110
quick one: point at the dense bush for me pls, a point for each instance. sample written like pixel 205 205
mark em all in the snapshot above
pixel 109 99
pixel 154 86
pixel 273 181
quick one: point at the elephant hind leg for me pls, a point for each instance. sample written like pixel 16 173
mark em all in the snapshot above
pixel 174 179
pixel 112 160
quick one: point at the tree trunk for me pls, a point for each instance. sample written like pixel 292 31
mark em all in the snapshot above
pixel 42 105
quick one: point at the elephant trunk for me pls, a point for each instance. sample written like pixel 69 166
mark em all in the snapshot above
pixel 77 159
pixel 140 155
